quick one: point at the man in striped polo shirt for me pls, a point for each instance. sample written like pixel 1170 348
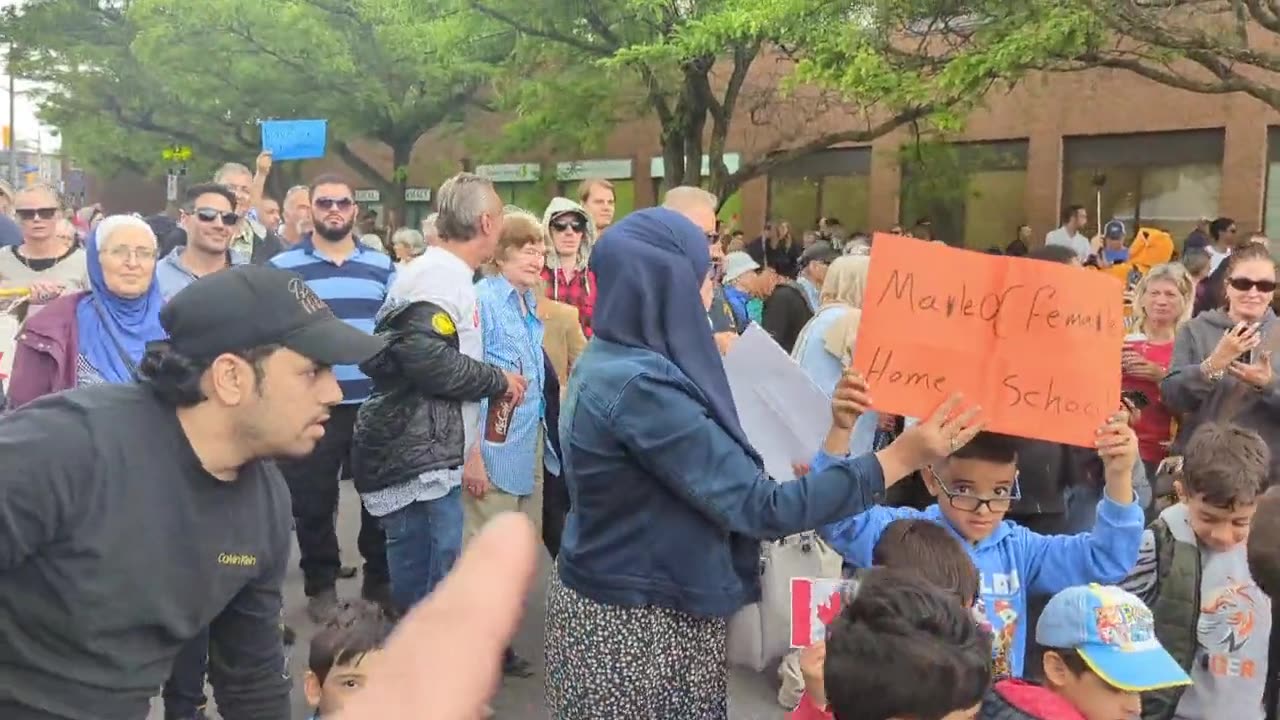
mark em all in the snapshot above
pixel 352 279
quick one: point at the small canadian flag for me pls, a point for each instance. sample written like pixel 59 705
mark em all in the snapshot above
pixel 815 602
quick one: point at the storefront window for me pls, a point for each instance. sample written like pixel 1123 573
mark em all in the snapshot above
pixel 531 196
pixel 624 195
pixel 1163 180
pixel 970 193
pixel 730 210
pixel 832 183
pixel 415 213
pixel 1271 219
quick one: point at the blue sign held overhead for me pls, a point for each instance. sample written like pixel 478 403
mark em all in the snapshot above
pixel 294 139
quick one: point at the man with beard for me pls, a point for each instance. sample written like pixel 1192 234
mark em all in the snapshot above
pixel 352 279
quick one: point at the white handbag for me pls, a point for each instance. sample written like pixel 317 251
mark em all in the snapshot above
pixel 760 633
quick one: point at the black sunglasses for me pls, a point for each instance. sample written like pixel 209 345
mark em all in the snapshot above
pixel 562 225
pixel 44 213
pixel 1245 285
pixel 325 203
pixel 210 215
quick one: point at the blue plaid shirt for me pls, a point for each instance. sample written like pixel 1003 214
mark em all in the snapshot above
pixel 513 342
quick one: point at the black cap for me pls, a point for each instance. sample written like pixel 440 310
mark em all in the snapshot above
pixel 819 252
pixel 248 306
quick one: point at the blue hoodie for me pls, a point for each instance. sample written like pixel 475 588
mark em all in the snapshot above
pixel 1012 562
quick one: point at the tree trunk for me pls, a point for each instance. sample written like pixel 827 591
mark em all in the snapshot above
pixel 394 203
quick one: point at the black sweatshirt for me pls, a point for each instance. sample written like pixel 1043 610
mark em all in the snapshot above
pixel 116 546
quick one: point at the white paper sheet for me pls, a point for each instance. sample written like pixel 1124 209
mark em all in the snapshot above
pixel 784 414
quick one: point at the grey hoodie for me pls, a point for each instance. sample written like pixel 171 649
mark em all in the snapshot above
pixel 1186 391
pixel 557 206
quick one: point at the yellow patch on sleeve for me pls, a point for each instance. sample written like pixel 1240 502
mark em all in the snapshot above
pixel 443 324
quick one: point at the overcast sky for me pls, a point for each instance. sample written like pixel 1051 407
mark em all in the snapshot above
pixel 25 108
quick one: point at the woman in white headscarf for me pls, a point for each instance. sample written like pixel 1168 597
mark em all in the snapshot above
pixel 824 347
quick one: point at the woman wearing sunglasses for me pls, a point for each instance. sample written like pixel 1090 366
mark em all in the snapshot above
pixel 1224 359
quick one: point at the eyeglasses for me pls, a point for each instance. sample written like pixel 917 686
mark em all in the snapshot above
pixel 562 225
pixel 209 215
pixel 972 503
pixel 122 253
pixel 1246 284
pixel 326 203
pixel 44 213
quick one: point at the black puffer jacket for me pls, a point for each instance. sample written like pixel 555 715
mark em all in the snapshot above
pixel 412 423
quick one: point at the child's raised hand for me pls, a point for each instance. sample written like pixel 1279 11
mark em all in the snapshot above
pixel 812 661
pixel 1117 445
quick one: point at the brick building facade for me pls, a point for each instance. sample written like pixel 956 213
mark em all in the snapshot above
pixel 1168 157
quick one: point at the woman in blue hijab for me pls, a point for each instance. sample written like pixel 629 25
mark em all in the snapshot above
pixel 99 335
pixel 669 502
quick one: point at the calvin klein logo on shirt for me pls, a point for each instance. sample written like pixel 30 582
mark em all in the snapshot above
pixel 237 559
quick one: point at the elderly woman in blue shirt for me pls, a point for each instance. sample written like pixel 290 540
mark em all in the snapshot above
pixel 669 499
pixel 509 478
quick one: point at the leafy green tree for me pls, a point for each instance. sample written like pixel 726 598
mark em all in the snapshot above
pixel 206 73
pixel 114 112
pixel 1215 47
pixel 708 70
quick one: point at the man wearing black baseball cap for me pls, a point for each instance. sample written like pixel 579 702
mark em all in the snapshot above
pixel 134 516
pixel 794 303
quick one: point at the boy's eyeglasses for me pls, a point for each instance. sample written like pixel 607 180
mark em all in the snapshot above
pixel 972 503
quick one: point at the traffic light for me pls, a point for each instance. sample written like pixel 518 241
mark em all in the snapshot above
pixel 8 137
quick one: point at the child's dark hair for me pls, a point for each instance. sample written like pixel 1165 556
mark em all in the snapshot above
pixel 1263 552
pixel 930 551
pixel 1075 664
pixel 354 628
pixel 1060 254
pixel 1225 465
pixel 1264 544
pixel 903 648
pixel 989 446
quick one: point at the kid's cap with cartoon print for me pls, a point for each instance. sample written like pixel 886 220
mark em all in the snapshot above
pixel 1114 632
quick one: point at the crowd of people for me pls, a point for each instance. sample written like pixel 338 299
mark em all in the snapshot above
pixel 186 395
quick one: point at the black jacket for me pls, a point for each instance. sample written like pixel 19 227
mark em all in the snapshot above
pixel 412 422
pixel 785 314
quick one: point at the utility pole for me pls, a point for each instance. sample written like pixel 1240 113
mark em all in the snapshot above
pixel 13 105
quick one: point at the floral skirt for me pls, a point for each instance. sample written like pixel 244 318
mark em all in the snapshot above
pixel 622 663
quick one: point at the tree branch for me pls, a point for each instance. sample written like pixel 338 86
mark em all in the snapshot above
pixel 586 47
pixel 766 162
pixel 357 163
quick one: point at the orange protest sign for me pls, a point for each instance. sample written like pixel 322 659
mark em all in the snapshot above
pixel 1036 344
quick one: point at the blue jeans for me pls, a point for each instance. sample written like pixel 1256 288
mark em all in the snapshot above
pixel 423 542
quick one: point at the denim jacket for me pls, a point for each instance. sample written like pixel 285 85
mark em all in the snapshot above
pixel 667 508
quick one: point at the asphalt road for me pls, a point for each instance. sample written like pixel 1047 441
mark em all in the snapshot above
pixel 752 696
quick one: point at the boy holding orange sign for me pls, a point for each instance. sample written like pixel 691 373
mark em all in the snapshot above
pixel 1038 345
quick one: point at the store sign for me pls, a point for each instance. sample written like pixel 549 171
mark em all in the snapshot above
pixel 417 194
pixel 658 166
pixel 510 172
pixel 368 196
pixel 582 169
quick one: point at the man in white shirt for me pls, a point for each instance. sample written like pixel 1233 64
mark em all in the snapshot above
pixel 1074 217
